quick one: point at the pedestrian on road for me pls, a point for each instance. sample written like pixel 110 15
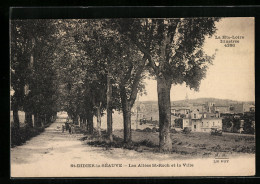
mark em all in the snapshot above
pixel 70 129
pixel 67 126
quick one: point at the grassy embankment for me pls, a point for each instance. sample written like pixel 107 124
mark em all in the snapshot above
pixel 194 143
pixel 24 133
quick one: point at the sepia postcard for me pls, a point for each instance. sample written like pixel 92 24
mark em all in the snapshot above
pixel 132 97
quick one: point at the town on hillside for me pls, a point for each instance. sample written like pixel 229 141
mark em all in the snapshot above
pixel 201 115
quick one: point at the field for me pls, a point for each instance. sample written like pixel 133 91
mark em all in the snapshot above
pixel 197 143
pixel 194 143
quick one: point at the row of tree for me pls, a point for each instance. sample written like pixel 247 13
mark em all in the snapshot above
pixel 86 67
pixel 32 75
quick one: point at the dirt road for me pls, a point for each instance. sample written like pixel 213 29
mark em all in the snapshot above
pixel 57 154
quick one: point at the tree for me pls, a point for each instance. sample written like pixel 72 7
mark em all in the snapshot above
pixel 130 78
pixel 90 41
pixel 71 74
pixel 32 51
pixel 18 56
pixel 174 49
pixel 82 69
pixel 42 82
pixel 126 66
pixel 121 64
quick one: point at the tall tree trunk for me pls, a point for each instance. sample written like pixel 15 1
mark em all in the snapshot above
pixel 37 120
pixel 54 116
pixel 84 123
pixel 164 103
pixel 109 108
pixel 127 123
pixel 75 120
pixel 99 120
pixel 80 122
pixel 16 117
pixel 90 123
pixel 49 119
pixel 45 119
pixel 126 115
pixel 28 119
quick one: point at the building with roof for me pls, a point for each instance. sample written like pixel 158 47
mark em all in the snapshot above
pixel 221 109
pixel 176 111
pixel 240 108
pixel 202 121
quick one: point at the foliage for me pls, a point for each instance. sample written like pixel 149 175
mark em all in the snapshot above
pixel 33 44
pixel 228 121
pixel 178 123
pixel 66 64
pixel 174 47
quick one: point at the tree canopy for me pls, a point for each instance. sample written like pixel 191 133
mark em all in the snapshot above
pixel 91 66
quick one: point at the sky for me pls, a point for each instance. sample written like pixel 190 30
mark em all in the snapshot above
pixel 232 74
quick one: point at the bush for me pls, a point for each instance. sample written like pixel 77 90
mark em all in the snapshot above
pixel 147 129
pixel 153 129
pixel 186 130
pixel 147 143
pixel 178 123
pixel 173 131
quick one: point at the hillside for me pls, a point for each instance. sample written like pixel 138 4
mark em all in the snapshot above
pixel 213 100
pixel 203 101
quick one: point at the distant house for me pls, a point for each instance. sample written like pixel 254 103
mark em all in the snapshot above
pixel 202 122
pixel 200 107
pixel 241 108
pixel 140 111
pixel 146 111
pixel 176 111
pixel 221 108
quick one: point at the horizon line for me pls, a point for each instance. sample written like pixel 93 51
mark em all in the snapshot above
pixel 202 98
